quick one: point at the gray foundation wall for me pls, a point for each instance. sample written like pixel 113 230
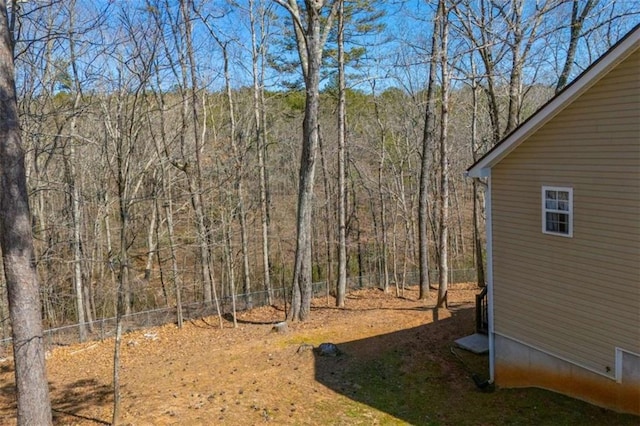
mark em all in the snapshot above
pixel 520 365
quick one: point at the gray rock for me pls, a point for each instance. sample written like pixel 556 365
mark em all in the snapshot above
pixel 328 349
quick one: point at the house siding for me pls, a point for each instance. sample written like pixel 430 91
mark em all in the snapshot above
pixel 592 146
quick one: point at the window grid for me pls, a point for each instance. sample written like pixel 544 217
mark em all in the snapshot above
pixel 557 211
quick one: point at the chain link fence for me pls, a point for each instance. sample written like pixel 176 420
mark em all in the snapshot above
pixel 105 328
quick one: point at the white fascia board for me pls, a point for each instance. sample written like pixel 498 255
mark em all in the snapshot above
pixel 600 68
pixel 475 172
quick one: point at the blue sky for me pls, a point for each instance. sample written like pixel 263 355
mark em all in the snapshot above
pixel 398 56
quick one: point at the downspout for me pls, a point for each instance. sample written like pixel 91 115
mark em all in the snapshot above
pixel 486 173
pixel 489 231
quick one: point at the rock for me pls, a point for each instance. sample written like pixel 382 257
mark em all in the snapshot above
pixel 304 347
pixel 328 349
pixel 151 336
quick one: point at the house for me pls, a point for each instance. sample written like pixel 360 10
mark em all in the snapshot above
pixel 563 239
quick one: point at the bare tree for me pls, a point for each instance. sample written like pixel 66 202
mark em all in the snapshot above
pixel 443 245
pixel 34 406
pixel 194 174
pixel 478 205
pixel 428 139
pixel 181 55
pixel 311 25
pixel 165 196
pixel 73 183
pixel 382 229
pixel 577 22
pixel 257 57
pixel 239 151
pixel 342 163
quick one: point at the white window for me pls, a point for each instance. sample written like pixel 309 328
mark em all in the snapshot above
pixel 557 211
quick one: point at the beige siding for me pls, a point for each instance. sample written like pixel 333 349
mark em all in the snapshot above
pixel 579 297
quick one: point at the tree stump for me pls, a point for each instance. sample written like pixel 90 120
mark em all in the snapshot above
pixel 281 327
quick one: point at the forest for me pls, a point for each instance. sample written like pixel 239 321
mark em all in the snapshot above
pixel 182 152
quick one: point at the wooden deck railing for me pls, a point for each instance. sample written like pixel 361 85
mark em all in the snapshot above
pixel 482 312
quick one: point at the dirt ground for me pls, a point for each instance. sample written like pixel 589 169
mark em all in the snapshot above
pixel 204 375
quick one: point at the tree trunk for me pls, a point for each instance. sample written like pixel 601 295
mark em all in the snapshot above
pixel 41 231
pixel 124 276
pixel 381 231
pixel 4 328
pixel 110 253
pixel 302 272
pixel 328 221
pixel 230 266
pixel 342 190
pixel 194 177
pixel 239 185
pixel 310 42
pixel 34 407
pixel 444 162
pixel 151 245
pixel 77 243
pixel 261 149
pixel 121 307
pixel 74 191
pixel 123 290
pixel 577 21
pixel 167 203
pixel 394 247
pixel 428 139
pixel 477 206
pixel 458 245
pixel 244 238
pixel 175 276
pixel 515 89
pixel 384 265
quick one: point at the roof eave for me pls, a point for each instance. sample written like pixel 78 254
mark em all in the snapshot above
pixel 476 172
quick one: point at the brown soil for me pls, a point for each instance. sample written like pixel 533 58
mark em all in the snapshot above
pixel 203 375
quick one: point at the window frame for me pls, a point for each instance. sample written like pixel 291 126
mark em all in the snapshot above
pixel 568 212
